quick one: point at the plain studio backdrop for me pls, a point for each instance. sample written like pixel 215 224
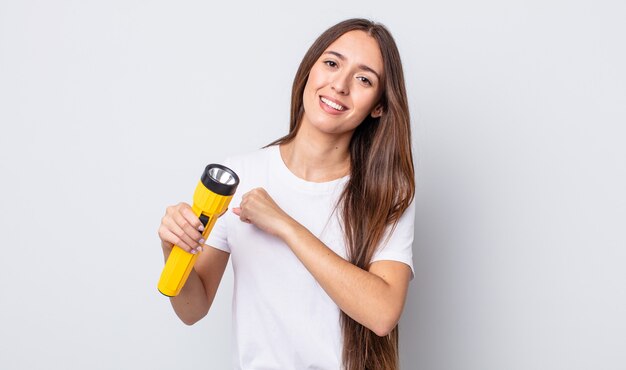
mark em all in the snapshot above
pixel 110 110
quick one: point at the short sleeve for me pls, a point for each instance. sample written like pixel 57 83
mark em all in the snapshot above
pixel 218 238
pixel 399 245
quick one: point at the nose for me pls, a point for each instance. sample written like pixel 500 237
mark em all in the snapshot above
pixel 341 83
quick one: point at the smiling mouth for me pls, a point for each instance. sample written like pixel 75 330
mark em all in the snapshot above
pixel 332 104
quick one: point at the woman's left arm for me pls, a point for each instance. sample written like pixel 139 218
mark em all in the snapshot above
pixel 374 298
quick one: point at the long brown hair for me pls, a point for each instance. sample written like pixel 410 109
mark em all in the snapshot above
pixel 381 184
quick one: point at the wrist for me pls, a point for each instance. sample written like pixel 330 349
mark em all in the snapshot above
pixel 289 229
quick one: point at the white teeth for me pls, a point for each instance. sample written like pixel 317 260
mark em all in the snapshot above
pixel 332 104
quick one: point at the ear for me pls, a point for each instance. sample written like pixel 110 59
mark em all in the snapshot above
pixel 377 111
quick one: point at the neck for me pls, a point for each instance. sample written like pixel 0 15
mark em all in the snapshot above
pixel 317 158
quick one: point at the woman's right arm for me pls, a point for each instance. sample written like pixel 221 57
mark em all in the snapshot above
pixel 180 227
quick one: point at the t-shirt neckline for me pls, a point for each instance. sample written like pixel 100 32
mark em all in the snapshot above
pixel 291 178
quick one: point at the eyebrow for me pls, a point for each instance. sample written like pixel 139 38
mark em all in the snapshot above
pixel 361 66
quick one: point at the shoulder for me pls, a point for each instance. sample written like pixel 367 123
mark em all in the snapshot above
pixel 250 160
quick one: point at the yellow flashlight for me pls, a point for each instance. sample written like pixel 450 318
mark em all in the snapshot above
pixel 211 198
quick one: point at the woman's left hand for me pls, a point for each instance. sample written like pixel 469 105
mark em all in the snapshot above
pixel 259 209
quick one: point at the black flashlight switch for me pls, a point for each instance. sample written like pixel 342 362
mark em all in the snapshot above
pixel 204 219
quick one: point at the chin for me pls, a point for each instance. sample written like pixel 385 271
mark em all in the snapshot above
pixel 335 130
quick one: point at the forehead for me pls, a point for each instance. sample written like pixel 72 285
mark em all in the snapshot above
pixel 359 47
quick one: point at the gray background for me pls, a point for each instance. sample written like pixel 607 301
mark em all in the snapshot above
pixel 109 110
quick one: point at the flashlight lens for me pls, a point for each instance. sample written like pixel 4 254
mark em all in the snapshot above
pixel 221 176
pixel 220 179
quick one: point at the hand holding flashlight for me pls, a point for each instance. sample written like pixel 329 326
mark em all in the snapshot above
pixel 180 226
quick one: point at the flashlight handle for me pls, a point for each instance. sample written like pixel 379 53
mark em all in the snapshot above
pixel 180 262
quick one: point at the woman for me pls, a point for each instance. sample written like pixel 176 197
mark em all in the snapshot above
pixel 321 238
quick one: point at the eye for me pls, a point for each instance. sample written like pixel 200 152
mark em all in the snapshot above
pixel 330 63
pixel 365 80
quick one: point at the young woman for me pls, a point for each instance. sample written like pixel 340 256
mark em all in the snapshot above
pixel 321 232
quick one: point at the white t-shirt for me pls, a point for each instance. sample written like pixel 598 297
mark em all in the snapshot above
pixel 282 318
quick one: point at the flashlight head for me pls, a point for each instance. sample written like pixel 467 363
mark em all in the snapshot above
pixel 220 179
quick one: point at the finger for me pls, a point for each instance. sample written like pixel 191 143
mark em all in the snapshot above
pixel 191 218
pixel 179 226
pixel 170 236
pixel 189 227
pixel 165 235
pixel 186 247
pixel 238 212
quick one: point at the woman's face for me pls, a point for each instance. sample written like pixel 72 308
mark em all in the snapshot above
pixel 344 85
